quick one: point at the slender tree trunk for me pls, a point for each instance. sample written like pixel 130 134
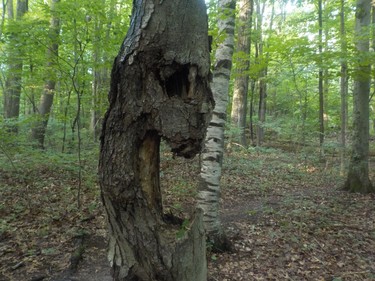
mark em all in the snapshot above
pixel 159 89
pixel 343 87
pixel 100 71
pixel 258 54
pixel 46 100
pixel 358 175
pixel 241 82
pixel 321 79
pixel 326 70
pixel 99 78
pixel 13 81
pixel 251 112
pixel 213 153
pixel 262 108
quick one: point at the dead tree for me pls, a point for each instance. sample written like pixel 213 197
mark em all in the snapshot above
pixel 159 89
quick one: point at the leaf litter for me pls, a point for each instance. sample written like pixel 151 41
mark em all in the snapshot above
pixel 286 215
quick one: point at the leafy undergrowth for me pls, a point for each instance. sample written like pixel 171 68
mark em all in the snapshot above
pixel 283 211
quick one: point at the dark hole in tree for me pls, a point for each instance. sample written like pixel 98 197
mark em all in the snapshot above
pixel 178 83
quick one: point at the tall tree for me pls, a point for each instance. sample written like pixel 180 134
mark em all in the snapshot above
pixel 13 81
pixel 46 101
pixel 343 87
pixel 241 81
pixel 159 88
pixel 212 155
pixel 358 174
pixel 263 69
pixel 321 77
pixel 101 71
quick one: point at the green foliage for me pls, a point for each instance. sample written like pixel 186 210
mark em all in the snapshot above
pixel 183 228
pixel 183 188
pixel 90 37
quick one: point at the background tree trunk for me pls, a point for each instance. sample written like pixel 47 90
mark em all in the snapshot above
pixel 262 86
pixel 212 155
pixel 100 71
pixel 159 88
pixel 241 82
pixel 358 175
pixel 13 81
pixel 343 87
pixel 321 79
pixel 262 108
pixel 46 101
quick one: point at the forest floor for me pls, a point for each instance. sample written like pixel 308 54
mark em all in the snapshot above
pixel 283 210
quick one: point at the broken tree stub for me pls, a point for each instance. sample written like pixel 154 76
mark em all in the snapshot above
pixel 159 89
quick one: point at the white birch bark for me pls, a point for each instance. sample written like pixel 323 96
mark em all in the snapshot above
pixel 212 155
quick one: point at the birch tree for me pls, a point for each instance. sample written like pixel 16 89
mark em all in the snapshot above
pixel 212 155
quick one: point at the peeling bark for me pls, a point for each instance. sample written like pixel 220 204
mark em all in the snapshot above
pixel 212 155
pixel 159 89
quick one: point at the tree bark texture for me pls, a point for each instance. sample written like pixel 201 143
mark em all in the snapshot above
pixel 212 155
pixel 241 82
pixel 159 89
pixel 358 174
pixel 46 100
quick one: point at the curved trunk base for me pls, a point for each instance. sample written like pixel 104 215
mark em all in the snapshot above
pixel 181 255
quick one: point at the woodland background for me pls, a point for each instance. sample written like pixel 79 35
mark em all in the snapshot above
pixel 287 158
pixel 57 59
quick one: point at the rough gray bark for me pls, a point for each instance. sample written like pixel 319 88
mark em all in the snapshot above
pixel 159 89
pixel 212 155
pixel 46 100
pixel 358 174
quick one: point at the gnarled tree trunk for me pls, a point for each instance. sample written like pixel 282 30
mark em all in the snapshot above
pixel 159 89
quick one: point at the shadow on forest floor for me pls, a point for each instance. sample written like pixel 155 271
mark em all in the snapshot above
pixel 284 212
